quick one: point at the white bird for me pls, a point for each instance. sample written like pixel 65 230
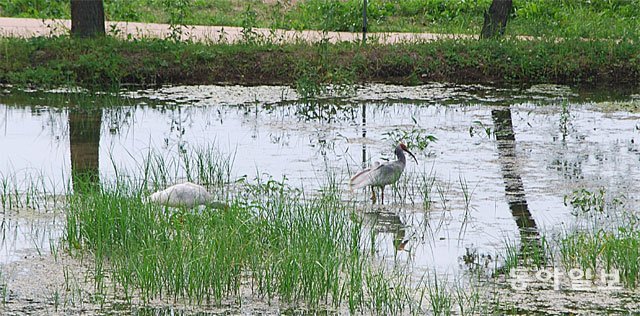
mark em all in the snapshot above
pixel 185 194
pixel 380 175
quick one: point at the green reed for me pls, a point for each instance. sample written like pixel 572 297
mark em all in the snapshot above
pixel 24 190
pixel 273 242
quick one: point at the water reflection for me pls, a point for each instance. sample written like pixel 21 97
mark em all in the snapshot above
pixel 269 136
pixel 84 145
pixel 389 222
pixel 514 187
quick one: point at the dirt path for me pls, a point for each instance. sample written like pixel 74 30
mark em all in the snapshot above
pixel 20 27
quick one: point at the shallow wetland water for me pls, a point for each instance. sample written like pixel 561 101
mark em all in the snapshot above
pixel 504 162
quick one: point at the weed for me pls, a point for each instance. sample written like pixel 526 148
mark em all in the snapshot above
pixel 179 11
pixel 585 201
pixel 414 138
pixel 309 83
pixel 248 24
pixel 484 129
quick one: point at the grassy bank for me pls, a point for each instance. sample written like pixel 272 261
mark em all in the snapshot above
pixel 110 62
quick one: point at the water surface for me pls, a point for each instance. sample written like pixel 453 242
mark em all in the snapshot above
pixel 514 153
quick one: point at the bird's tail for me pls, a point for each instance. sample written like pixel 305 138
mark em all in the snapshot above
pixel 362 178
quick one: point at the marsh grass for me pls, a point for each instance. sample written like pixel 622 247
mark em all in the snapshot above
pixel 440 298
pixel 426 183
pixel 468 299
pixel 273 243
pixel 206 166
pixel 608 243
pixel 604 252
pixel 444 296
pixel 415 187
pixel 24 190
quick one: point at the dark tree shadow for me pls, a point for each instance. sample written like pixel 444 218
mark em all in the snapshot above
pixel 514 188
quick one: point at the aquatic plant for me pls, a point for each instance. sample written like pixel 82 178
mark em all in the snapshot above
pixel 602 251
pixel 22 190
pixel 584 201
pixel 481 129
pixel 414 138
pixel 273 241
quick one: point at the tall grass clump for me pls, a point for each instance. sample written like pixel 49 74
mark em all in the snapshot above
pixel 273 243
pixel 22 190
pixel 203 165
pixel 602 251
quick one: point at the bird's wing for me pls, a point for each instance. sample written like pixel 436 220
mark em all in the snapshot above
pixel 365 177
pixel 182 194
pixel 160 197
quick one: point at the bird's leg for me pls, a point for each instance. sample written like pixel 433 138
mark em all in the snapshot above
pixel 382 194
pixel 373 195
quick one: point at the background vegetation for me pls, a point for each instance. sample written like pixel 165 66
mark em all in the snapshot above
pixel 566 18
pixel 608 57
pixel 110 62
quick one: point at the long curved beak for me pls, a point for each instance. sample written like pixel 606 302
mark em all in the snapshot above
pixel 410 153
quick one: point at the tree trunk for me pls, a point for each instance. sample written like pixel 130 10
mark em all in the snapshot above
pixel 495 20
pixel 87 18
